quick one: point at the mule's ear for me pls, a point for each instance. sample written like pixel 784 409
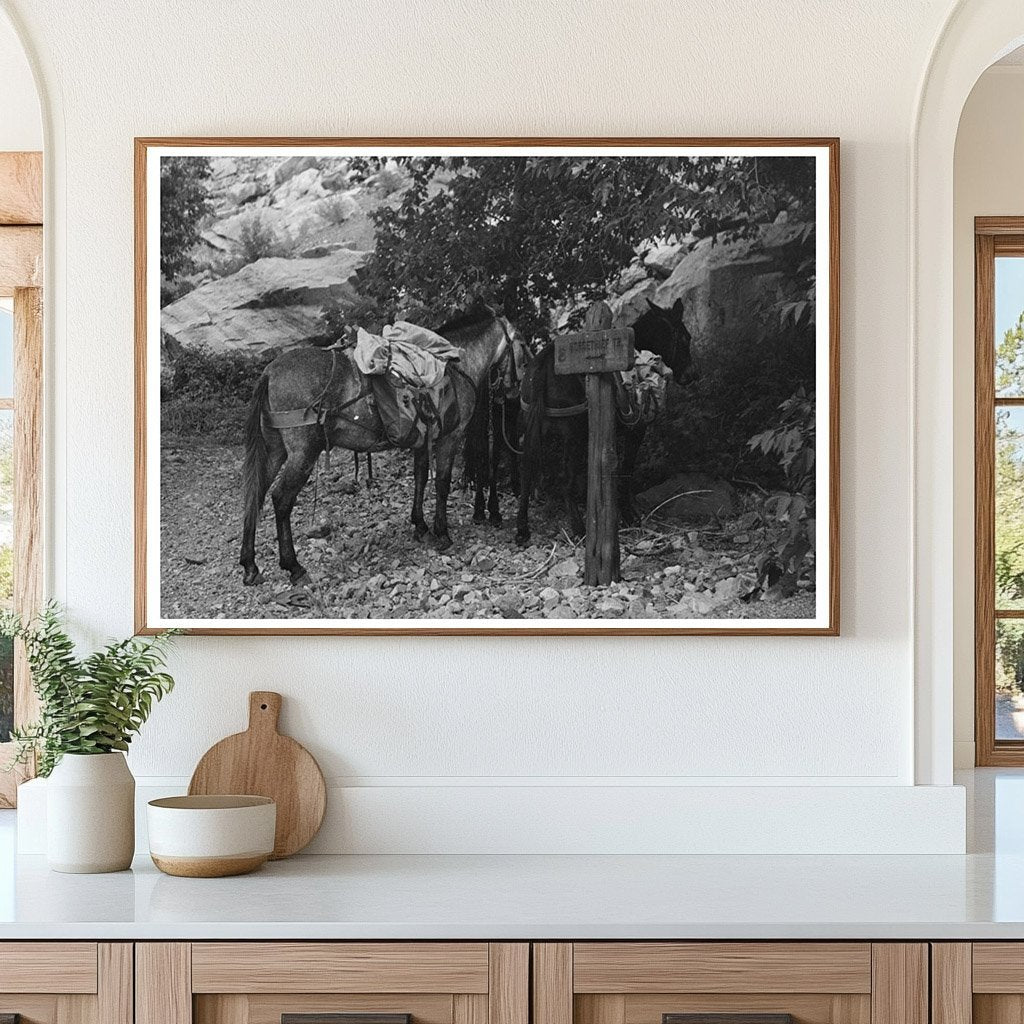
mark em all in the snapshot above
pixel 677 306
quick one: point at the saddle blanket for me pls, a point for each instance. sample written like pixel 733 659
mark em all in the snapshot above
pixel 415 355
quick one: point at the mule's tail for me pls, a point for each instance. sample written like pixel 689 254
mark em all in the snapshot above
pixel 254 467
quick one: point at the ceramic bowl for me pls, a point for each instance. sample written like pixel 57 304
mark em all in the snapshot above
pixel 211 836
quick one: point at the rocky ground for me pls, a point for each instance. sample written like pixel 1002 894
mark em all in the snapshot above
pixel 358 546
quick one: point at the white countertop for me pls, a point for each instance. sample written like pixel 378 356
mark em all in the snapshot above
pixel 496 897
pixel 977 896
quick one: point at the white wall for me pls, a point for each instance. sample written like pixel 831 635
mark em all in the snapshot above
pixel 436 713
pixel 21 127
pixel 988 180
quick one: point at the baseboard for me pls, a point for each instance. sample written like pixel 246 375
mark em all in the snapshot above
pixel 526 819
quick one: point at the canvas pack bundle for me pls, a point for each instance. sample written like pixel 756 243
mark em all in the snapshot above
pixel 406 365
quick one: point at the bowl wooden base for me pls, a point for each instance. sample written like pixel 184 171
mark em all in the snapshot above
pixel 209 867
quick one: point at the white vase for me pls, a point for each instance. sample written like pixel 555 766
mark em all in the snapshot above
pixel 90 814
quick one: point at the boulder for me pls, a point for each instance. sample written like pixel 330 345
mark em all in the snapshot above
pixel 690 496
pixel 663 259
pixel 291 166
pixel 272 303
pixel 720 282
pixel 631 305
pixel 299 187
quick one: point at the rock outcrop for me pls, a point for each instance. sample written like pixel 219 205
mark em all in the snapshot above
pixel 272 303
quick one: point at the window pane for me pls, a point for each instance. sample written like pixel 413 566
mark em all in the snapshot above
pixel 1009 323
pixel 1009 679
pixel 6 353
pixel 1009 482
pixel 6 567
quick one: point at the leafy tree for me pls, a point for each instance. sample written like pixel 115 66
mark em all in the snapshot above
pixel 531 233
pixel 184 202
pixel 1010 360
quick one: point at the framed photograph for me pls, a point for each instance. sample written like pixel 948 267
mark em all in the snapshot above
pixel 376 380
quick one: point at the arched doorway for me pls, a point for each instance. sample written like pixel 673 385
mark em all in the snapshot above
pixel 976 34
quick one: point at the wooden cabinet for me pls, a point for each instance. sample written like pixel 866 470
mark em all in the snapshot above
pixel 978 983
pixel 66 982
pixel 757 982
pixel 264 982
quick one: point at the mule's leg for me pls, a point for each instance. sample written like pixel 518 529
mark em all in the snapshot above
pixel 444 460
pixel 275 457
pixel 479 502
pixel 494 451
pixel 286 489
pixel 531 448
pixel 420 468
pixel 632 439
pixel 511 430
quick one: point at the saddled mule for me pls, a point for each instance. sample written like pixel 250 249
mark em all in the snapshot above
pixel 329 400
pixel 556 403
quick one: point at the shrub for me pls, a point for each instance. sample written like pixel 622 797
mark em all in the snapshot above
pixel 257 240
pixel 204 395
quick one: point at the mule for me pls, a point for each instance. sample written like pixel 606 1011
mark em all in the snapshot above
pixel 557 404
pixel 491 438
pixel 329 399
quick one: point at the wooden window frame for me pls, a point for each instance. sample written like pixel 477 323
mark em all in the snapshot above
pixel 21 278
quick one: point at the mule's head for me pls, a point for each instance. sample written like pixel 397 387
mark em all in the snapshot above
pixel 661 330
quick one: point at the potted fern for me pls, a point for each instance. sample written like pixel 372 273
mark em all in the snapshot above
pixel 90 708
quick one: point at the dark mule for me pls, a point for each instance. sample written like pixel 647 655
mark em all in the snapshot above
pixel 491 437
pixel 557 404
pixel 326 386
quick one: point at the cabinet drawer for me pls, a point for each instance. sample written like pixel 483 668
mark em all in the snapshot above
pixel 332 983
pixel 65 967
pixel 730 983
pixel 66 982
pixel 634 967
pixel 340 967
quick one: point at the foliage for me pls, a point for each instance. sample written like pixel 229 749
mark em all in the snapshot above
pixel 1009 471
pixel 184 203
pixel 531 233
pixel 1010 360
pixel 257 240
pixel 791 443
pixel 205 394
pixel 90 705
pixel 6 687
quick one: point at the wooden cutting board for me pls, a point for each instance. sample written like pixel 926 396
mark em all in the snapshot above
pixel 262 762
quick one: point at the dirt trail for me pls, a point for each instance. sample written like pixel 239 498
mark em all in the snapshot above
pixel 359 550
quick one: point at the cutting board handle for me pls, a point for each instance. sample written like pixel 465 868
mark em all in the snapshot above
pixel 264 710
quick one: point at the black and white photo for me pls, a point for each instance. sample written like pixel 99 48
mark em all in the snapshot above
pixel 367 380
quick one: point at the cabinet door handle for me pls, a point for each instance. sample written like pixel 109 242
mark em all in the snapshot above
pixel 727 1018
pixel 337 1018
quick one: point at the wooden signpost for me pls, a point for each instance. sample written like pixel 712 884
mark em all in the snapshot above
pixel 598 351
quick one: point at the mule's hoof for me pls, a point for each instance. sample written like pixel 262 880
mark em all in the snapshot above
pixel 300 577
pixel 252 578
pixel 495 519
pixel 444 542
pixel 479 518
pixel 522 538
pixel 419 533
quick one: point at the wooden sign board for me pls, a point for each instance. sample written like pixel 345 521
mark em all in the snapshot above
pixel 594 351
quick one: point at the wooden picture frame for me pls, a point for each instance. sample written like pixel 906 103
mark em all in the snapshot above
pixel 824 621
